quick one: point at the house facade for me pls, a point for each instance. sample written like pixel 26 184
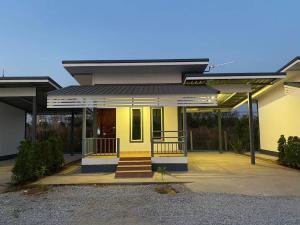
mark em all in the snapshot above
pixel 139 108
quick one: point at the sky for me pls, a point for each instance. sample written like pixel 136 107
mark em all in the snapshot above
pixel 36 35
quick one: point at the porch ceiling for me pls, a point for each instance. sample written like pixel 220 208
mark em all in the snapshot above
pixel 126 95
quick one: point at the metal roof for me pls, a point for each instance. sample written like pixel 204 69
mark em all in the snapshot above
pixel 289 64
pixel 43 84
pixel 136 61
pixel 40 81
pixel 134 90
pixel 155 66
pixel 232 76
pixel 257 81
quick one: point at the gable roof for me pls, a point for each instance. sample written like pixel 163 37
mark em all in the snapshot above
pixel 290 64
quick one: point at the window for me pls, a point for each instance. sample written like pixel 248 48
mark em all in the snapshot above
pixel 157 122
pixel 136 123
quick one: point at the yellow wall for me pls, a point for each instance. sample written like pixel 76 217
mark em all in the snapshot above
pixel 123 127
pixel 278 114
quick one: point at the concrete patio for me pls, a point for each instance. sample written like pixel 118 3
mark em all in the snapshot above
pixel 208 172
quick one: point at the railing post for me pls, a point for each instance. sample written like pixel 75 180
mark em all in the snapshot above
pixel 118 147
pixel 152 144
pixel 152 148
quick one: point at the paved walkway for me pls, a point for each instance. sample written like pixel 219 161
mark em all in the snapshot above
pixel 5 173
pixel 208 172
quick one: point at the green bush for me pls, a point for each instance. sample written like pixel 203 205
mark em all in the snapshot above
pixel 36 160
pixel 289 151
pixel 281 148
pixel 23 168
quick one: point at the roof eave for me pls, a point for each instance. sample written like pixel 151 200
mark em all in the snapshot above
pixel 290 64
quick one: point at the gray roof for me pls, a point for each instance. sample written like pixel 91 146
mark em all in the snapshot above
pixel 136 61
pixel 38 82
pixel 134 90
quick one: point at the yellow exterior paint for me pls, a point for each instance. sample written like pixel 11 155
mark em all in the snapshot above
pixel 123 127
pixel 279 114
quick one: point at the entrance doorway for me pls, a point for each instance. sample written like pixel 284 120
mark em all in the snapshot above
pixel 106 130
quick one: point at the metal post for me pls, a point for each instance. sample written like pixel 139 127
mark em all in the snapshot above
pixel 220 131
pixel 191 140
pixel 83 130
pixel 118 147
pixel 95 126
pixel 33 131
pixel 251 130
pixel 72 133
pixel 184 126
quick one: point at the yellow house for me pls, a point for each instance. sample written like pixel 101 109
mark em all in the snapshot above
pixel 139 109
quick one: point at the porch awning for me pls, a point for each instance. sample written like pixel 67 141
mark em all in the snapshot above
pixel 127 95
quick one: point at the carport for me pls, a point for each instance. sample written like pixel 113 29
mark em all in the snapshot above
pixel 24 95
pixel 235 90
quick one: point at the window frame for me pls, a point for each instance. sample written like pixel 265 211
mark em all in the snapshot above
pixel 162 122
pixel 131 125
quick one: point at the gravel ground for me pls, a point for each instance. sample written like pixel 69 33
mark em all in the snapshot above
pixel 140 204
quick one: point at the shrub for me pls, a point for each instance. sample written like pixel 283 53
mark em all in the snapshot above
pixel 38 159
pixel 289 151
pixel 23 168
pixel 281 148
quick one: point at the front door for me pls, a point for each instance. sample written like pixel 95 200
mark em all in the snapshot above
pixel 106 122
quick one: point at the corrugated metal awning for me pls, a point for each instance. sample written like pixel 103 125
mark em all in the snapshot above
pixel 126 95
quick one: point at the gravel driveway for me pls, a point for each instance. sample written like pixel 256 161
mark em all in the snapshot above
pixel 140 204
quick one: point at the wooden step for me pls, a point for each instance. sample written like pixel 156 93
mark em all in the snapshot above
pixel 134 174
pixel 134 158
pixel 133 167
pixel 139 162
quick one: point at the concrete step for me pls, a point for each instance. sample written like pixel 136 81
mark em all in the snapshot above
pixel 134 158
pixel 133 167
pixel 136 162
pixel 134 174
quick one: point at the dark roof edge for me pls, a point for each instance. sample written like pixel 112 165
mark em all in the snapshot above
pixel 289 63
pixel 31 78
pixel 136 61
pixel 233 74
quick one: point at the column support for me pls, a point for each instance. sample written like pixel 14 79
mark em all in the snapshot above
pixel 251 129
pixel 220 131
pixel 83 130
pixel 34 112
pixel 95 123
pixel 184 127
pixel 72 134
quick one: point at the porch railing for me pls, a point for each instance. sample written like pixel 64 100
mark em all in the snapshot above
pixel 168 142
pixel 101 146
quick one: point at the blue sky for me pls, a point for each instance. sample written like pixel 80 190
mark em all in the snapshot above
pixel 36 35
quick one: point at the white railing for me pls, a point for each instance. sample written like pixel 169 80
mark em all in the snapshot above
pixel 101 146
pixel 168 142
